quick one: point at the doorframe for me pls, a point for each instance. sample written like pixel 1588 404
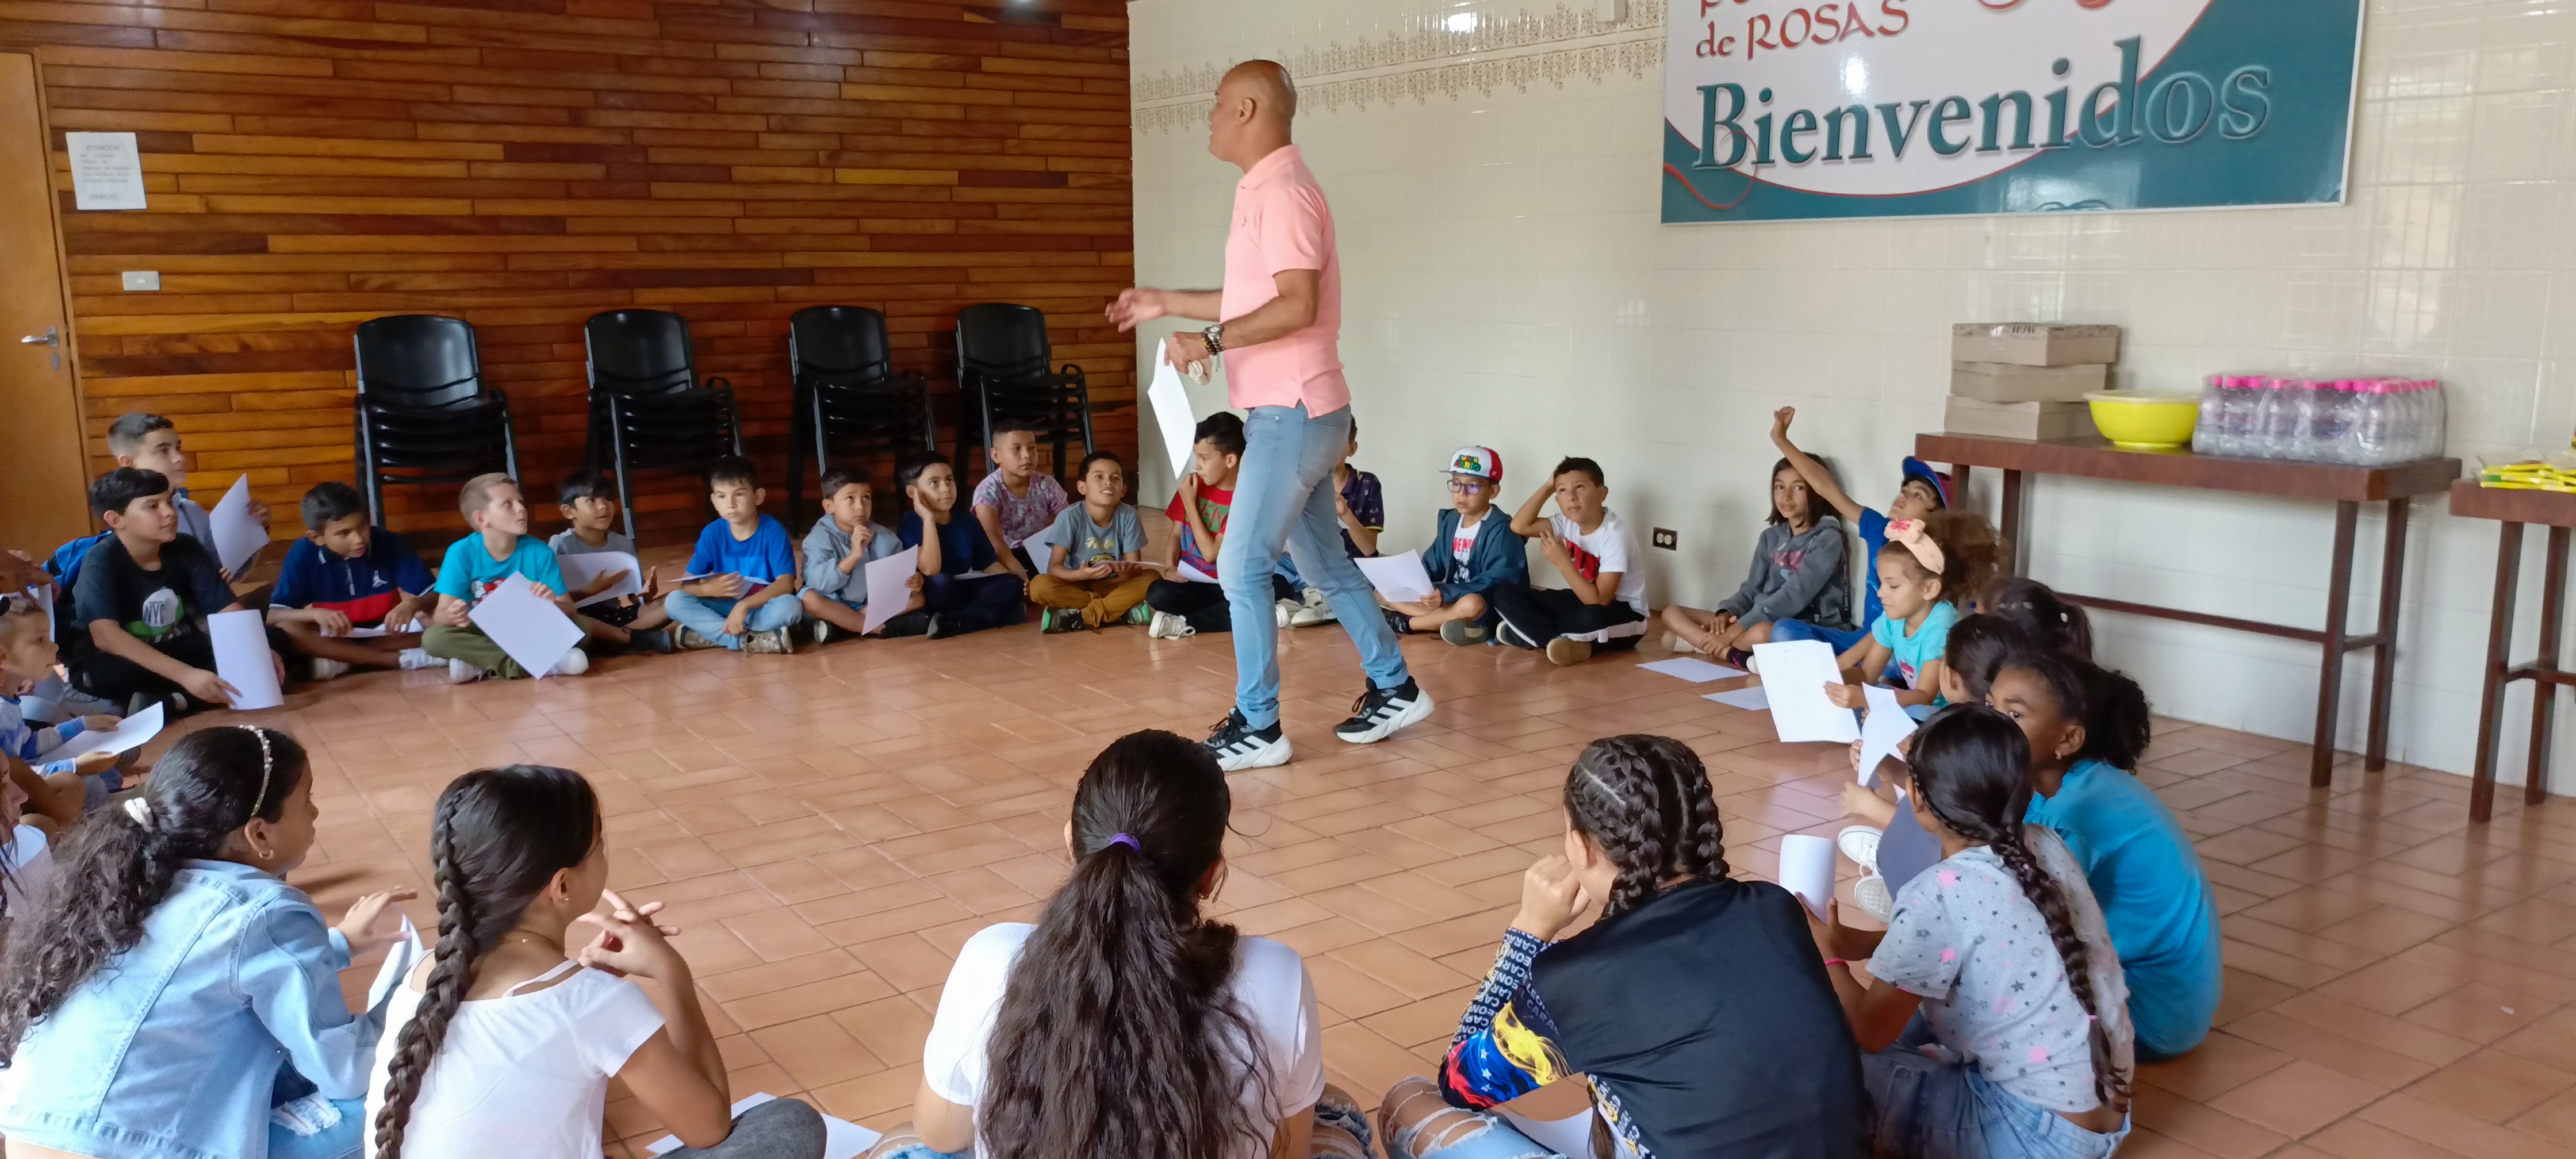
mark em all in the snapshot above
pixel 62 266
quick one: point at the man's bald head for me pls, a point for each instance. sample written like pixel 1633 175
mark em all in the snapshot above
pixel 1249 118
pixel 1266 84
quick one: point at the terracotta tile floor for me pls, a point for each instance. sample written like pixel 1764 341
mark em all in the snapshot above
pixel 831 826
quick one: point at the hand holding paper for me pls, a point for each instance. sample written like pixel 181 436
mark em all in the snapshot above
pixel 1807 869
pixel 890 587
pixel 131 733
pixel 1794 676
pixel 238 535
pixel 1886 724
pixel 581 571
pixel 1400 578
pixel 243 661
pixel 526 625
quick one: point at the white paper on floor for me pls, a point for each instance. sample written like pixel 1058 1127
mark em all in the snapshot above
pixel 842 1139
pixel 130 733
pixel 1400 578
pixel 529 627
pixel 237 536
pixel 1695 671
pixel 1749 698
pixel 1807 869
pixel 889 587
pixel 242 658
pixel 1885 725
pixel 1794 676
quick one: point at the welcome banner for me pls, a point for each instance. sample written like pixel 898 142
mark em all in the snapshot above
pixel 1785 109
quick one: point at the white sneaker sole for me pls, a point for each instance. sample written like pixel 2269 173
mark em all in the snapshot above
pixel 1415 713
pixel 1860 844
pixel 1271 755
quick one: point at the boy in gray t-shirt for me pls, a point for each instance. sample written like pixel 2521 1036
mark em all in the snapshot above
pixel 1090 560
pixel 588 500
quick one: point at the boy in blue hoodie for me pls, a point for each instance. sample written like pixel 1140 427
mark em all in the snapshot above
pixel 364 575
pixel 1472 550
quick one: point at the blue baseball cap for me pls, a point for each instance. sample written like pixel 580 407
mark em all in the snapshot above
pixel 1915 468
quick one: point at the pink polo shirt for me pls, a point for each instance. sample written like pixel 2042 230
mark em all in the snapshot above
pixel 1281 223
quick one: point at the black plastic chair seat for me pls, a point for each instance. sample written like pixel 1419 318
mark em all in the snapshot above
pixel 849 402
pixel 648 411
pixel 1003 373
pixel 422 413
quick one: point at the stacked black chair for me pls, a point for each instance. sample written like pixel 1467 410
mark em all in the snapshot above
pixel 648 412
pixel 849 401
pixel 423 413
pixel 1003 373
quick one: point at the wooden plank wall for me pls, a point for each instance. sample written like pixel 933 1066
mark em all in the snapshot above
pixel 524 164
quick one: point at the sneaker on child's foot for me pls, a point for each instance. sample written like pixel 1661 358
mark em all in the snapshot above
pixel 1397 622
pixel 460 672
pixel 1381 711
pixel 1753 664
pixel 691 640
pixel 325 668
pixel 913 623
pixel 943 627
pixel 1566 651
pixel 1167 626
pixel 1238 746
pixel 822 631
pixel 1314 611
pixel 574 663
pixel 1860 843
pixel 1140 614
pixel 1462 633
pixel 773 642
pixel 1285 611
pixel 415 659
pixel 1870 893
pixel 651 641
pixel 1056 621
pixel 1514 637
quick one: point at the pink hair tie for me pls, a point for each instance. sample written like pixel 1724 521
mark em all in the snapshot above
pixel 1909 533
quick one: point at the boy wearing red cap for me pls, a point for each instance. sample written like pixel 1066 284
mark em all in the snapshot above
pixel 1472 550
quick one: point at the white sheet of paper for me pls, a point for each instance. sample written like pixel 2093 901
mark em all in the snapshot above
pixel 889 586
pixel 1749 698
pixel 107 170
pixel 237 536
pixel 1695 671
pixel 1400 578
pixel 842 1139
pixel 1189 574
pixel 1885 725
pixel 1794 676
pixel 44 597
pixel 399 959
pixel 1807 869
pixel 242 658
pixel 1039 545
pixel 580 571
pixel 1172 414
pixel 131 733
pixel 531 629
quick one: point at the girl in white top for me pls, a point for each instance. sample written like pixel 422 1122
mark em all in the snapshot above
pixel 1124 1023
pixel 502 1044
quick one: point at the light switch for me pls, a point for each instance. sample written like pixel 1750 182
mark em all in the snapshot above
pixel 142 279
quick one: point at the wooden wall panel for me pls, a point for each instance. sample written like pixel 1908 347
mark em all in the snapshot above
pixel 524 164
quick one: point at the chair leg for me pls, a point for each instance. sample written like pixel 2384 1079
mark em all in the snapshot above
pixel 617 449
pixel 367 467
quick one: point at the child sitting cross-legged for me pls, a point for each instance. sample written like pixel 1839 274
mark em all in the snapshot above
pixel 499 548
pixel 965 584
pixel 1094 572
pixel 502 1042
pixel 1891 849
pixel 745 596
pixel 59 791
pixel 1473 550
pixel 588 500
pixel 1797 574
pixel 1927 570
pixel 1922 492
pixel 1198 512
pixel 1695 1008
pixel 350 573
pixel 1603 602
pixel 1016 500
pixel 171 995
pixel 837 551
pixel 151 442
pixel 143 597
pixel 1998 957
pixel 1359 505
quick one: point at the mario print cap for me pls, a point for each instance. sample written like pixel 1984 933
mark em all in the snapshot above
pixel 1481 462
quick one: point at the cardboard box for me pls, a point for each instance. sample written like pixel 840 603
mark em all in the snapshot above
pixel 2019 420
pixel 2005 382
pixel 2034 343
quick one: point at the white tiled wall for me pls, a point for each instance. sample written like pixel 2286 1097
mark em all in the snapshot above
pixel 1508 283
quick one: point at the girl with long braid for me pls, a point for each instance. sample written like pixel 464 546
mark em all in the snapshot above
pixel 1997 1023
pixel 1696 1003
pixel 1124 1023
pixel 502 1041
pixel 170 996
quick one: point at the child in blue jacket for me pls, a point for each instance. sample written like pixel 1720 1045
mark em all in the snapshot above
pixel 1473 550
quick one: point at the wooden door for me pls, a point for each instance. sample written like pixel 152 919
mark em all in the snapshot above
pixel 43 472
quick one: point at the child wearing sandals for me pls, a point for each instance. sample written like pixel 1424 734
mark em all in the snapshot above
pixel 503 1040
pixel 1997 1018
pixel 171 997
pixel 1696 1004
pixel 1124 1023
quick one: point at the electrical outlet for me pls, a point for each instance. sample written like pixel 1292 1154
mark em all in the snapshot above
pixel 142 279
pixel 1668 539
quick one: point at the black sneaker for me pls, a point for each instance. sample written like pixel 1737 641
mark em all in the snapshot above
pixel 913 623
pixel 1238 746
pixel 1381 711
pixel 1401 623
pixel 652 641
pixel 1508 634
pixel 941 629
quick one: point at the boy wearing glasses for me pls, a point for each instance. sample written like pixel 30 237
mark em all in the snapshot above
pixel 1473 550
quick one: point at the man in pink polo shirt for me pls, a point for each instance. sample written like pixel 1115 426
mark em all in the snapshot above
pixel 1278 325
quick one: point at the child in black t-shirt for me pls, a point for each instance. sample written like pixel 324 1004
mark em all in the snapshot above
pixel 143 597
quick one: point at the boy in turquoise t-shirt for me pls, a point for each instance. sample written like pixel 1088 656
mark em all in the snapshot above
pixel 476 564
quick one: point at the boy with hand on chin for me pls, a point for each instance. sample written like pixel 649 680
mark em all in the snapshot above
pixel 1014 502
pixel 588 500
pixel 347 573
pixel 966 586
pixel 499 548
pixel 745 567
pixel 144 594
pixel 1473 550
pixel 1603 603
pixel 837 552
pixel 1095 571
pixel 151 442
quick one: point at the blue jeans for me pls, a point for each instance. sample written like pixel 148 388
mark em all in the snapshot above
pixel 706 616
pixel 1283 495
pixel 1932 1109
pixel 343 1141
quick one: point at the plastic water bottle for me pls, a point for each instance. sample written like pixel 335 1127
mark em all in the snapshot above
pixel 2243 392
pixel 2437 419
pixel 2280 417
pixel 2375 426
pixel 2334 420
pixel 2209 437
pixel 2313 407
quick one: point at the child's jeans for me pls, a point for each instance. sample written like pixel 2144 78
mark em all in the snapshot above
pixel 346 1139
pixel 705 615
pixel 972 603
pixel 1929 1108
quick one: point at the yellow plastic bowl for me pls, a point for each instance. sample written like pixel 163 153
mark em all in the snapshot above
pixel 2141 421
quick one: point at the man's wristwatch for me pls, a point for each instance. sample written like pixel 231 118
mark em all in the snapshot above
pixel 1215 336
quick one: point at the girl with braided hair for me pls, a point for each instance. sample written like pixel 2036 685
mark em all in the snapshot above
pixel 502 1041
pixel 1997 1022
pixel 1695 1004
pixel 169 996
